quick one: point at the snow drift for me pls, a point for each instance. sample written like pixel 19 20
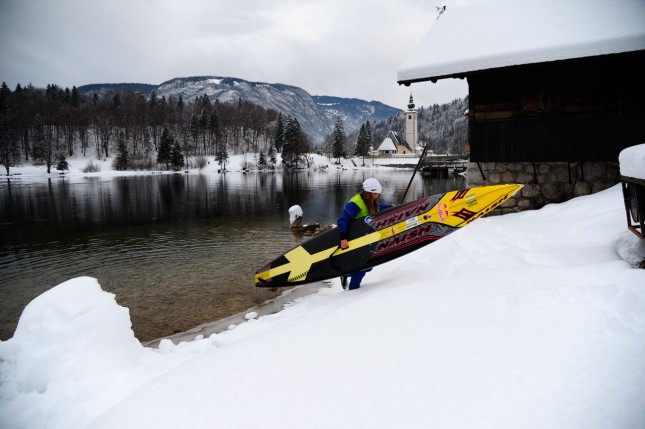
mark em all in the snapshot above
pixel 528 320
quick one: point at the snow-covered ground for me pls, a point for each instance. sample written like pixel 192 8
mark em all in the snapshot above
pixel 528 320
pixel 632 162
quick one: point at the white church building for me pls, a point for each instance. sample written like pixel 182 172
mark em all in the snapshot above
pixel 395 144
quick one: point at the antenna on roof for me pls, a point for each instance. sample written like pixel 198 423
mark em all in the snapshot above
pixel 440 9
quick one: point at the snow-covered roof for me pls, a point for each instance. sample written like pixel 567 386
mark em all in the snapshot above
pixel 387 144
pixel 632 162
pixel 489 34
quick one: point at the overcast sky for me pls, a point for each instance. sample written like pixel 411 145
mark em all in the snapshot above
pixel 345 48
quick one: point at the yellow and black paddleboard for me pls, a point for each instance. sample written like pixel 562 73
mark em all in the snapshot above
pixel 383 236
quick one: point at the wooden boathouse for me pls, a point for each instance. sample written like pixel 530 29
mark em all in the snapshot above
pixel 556 90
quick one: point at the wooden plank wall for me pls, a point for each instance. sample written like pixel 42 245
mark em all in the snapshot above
pixel 564 111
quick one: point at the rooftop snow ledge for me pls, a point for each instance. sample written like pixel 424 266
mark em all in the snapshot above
pixel 490 34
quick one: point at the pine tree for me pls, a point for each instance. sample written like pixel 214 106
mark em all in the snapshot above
pixel 176 157
pixel 262 162
pixel 221 154
pixel 166 142
pixel 194 130
pixel 152 104
pixel 214 130
pixel 9 151
pixel 279 133
pixel 203 125
pixel 180 105
pixel 272 154
pixel 76 97
pixel 5 93
pixel 62 164
pixel 338 140
pixel 368 135
pixel 42 147
pixel 362 143
pixel 295 143
pixel 122 157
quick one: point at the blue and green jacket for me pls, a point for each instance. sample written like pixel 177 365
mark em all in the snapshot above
pixel 354 209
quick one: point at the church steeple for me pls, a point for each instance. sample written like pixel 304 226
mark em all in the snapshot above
pixel 411 103
pixel 410 125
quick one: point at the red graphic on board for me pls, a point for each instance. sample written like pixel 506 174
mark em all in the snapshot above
pixel 442 208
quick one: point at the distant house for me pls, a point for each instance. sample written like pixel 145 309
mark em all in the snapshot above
pixel 393 144
pixel 556 89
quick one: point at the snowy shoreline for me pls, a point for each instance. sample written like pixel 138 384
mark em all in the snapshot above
pixel 271 306
pixel 235 165
pixel 533 319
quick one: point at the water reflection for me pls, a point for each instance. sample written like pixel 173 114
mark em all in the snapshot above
pixel 178 250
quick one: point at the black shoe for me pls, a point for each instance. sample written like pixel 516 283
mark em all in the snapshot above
pixel 343 281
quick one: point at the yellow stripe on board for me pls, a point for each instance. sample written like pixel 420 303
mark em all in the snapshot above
pixel 455 209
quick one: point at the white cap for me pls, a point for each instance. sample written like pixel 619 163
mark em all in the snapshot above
pixel 372 185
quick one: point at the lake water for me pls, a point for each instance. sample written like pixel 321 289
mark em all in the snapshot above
pixel 178 250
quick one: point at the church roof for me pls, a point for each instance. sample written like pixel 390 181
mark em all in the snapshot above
pixel 392 141
pixel 387 144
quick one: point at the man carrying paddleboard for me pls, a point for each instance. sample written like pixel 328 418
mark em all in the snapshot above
pixel 360 205
pixel 376 238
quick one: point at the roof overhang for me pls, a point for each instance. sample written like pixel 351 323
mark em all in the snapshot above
pixel 494 34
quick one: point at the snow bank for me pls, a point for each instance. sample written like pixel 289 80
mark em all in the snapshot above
pixel 527 320
pixel 294 212
pixel 236 164
pixel 65 336
pixel 632 162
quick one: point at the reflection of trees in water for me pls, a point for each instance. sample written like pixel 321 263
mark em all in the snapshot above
pixel 172 191
pixel 59 205
pixel 141 237
pixel 295 189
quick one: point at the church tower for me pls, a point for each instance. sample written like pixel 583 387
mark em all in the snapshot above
pixel 410 125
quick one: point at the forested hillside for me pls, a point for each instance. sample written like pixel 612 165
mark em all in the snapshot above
pixel 316 114
pixel 44 126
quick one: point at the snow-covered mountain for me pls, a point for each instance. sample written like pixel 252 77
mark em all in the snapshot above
pixel 353 111
pixel 316 114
